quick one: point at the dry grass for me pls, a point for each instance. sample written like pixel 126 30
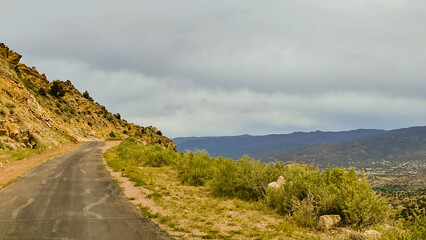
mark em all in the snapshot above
pixel 11 168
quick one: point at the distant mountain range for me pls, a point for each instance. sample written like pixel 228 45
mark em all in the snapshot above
pixel 262 146
pixel 360 148
pixel 390 147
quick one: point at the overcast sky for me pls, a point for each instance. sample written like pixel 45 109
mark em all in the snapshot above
pixel 221 67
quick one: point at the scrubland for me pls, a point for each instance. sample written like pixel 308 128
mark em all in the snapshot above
pixel 196 196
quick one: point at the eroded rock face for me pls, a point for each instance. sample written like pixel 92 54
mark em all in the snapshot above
pixel 11 56
pixel 328 221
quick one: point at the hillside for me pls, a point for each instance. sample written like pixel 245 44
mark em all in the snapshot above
pixel 36 112
pixel 261 146
pixel 388 148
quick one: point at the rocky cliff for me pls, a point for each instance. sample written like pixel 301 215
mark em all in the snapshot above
pixel 36 112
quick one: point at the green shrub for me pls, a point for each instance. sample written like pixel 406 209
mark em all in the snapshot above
pixel 157 156
pixel 112 134
pixel 301 182
pixel 117 116
pixel 335 191
pixel 352 198
pixel 197 169
pixel 56 89
pixel 304 211
pixel 42 92
pixel 140 155
pixel 246 179
pixel 87 96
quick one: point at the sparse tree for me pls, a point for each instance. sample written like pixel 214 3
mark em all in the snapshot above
pixel 56 89
pixel 87 96
pixel 112 134
pixel 42 92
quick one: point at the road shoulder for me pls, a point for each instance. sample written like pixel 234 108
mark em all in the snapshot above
pixel 10 172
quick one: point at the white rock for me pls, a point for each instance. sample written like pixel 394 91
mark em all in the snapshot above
pixel 278 183
pixel 372 234
pixel 328 221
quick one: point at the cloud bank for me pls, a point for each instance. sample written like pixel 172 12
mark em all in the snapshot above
pixel 234 67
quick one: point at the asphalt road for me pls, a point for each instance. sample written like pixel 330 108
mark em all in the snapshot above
pixel 71 197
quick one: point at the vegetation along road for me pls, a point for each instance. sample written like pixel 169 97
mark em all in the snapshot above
pixel 71 197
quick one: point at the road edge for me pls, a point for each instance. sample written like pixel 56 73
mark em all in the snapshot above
pixel 45 155
pixel 135 195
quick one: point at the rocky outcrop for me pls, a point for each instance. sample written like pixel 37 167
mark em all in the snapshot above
pixel 151 135
pixel 10 56
pixel 328 221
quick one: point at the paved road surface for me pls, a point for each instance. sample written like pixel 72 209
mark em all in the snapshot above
pixel 71 197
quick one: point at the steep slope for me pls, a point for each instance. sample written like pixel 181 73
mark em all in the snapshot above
pixel 259 146
pixel 389 148
pixel 35 112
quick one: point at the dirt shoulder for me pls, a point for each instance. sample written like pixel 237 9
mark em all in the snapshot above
pixel 10 171
pixel 137 194
pixel 110 144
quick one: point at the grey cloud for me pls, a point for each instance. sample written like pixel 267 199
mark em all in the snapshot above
pixel 234 66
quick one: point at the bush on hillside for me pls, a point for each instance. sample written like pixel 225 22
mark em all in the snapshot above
pixel 300 183
pixel 87 96
pixel 42 92
pixel 117 115
pixel 246 179
pixel 56 89
pixel 352 198
pixel 196 169
pixel 140 155
pixel 309 194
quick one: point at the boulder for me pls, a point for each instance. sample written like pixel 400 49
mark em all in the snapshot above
pixel 372 234
pixel 278 183
pixel 13 57
pixel 13 130
pixel 26 140
pixel 328 221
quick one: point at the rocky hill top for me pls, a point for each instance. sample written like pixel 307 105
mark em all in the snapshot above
pixel 36 112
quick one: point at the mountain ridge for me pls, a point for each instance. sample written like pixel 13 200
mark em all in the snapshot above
pixel 263 145
pixel 393 147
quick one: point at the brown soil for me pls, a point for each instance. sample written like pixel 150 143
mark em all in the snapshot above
pixel 10 171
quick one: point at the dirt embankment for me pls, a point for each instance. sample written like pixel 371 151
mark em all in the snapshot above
pixel 10 171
